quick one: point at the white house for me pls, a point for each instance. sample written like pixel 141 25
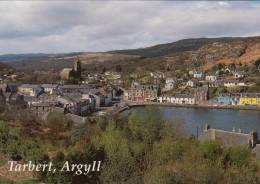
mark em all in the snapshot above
pixel 177 99
pixel 193 83
pixel 30 90
pixel 49 87
pixel 170 83
pixel 233 83
pixel 239 74
pixel 211 77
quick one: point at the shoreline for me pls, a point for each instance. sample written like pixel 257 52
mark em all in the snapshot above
pixel 193 106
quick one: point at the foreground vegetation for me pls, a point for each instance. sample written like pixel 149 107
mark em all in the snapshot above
pixel 133 149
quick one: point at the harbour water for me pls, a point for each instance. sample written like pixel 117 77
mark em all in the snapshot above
pixel 223 119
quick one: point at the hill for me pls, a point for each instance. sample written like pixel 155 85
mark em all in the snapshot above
pixel 57 61
pixel 178 46
pixel 5 66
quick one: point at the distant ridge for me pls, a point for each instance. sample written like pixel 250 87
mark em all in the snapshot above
pixel 178 46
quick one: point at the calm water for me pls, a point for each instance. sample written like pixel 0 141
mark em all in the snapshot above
pixel 224 119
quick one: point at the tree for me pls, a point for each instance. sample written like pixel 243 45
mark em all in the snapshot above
pixel 4 134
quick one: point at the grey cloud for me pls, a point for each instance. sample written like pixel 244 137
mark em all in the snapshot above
pixel 99 26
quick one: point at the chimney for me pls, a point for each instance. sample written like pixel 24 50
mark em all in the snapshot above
pixel 213 135
pixel 207 127
pixel 254 138
pixel 233 129
pixel 239 130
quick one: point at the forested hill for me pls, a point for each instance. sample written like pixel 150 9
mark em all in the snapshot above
pixel 179 46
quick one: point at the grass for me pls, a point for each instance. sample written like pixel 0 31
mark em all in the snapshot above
pixel 48 146
pixel 15 131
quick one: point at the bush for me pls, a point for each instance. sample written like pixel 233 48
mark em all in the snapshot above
pixel 240 155
pixel 211 149
pixel 13 149
pixel 4 131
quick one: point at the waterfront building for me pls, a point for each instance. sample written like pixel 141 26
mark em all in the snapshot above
pixel 228 138
pixel 235 98
pixel 144 92
pixel 177 99
pixel 224 99
pixel 201 95
pixel 250 99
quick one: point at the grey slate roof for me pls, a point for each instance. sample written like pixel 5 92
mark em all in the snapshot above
pixel 226 137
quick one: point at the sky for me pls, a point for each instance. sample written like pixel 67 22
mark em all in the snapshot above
pixel 97 26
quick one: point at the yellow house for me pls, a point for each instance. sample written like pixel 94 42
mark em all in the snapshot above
pixel 250 99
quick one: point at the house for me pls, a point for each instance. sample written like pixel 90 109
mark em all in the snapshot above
pixel 169 86
pixel 157 75
pixel 30 90
pixel 231 83
pixel 201 95
pixel 72 72
pixel 215 84
pixel 211 77
pixel 235 98
pixel 228 70
pixel 228 138
pixel 193 83
pixel 170 83
pixel 108 73
pixel 198 74
pixel 224 99
pixel 250 99
pixel 239 74
pixel 191 72
pixel 135 75
pixel 49 88
pixel 177 99
pixel 144 92
pixel 116 75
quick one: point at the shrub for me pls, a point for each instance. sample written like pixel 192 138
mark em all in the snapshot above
pixel 4 131
pixel 240 155
pixel 13 149
pixel 211 149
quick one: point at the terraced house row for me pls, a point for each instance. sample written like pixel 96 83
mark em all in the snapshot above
pixel 243 99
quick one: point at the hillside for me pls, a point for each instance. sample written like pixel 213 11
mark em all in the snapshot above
pixel 242 51
pixel 5 66
pixel 179 46
pixel 201 52
pixel 57 61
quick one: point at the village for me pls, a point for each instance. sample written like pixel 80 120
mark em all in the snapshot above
pixel 89 98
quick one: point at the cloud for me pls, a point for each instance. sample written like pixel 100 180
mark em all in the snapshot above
pixel 54 26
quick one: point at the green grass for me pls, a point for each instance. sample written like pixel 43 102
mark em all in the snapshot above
pixel 15 131
pixel 46 146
